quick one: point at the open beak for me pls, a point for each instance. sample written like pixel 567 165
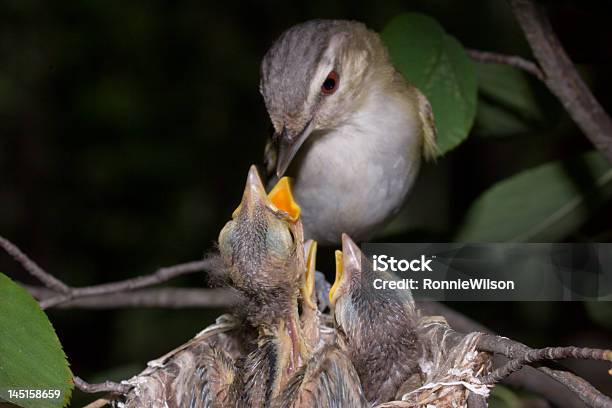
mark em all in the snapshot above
pixel 352 254
pixel 254 193
pixel 308 290
pixel 339 268
pixel 348 266
pixel 282 198
pixel 288 147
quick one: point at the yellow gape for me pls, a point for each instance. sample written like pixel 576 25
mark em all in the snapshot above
pixel 338 277
pixel 309 277
pixel 282 198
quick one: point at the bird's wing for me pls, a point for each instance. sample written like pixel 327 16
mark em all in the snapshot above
pixel 258 374
pixel 211 384
pixel 430 148
pixel 328 380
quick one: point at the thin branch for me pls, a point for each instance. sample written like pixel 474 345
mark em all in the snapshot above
pixel 561 76
pixel 29 265
pixel 64 293
pixel 548 353
pixel 512 60
pixel 159 276
pixel 173 298
pixel 513 349
pixel 99 403
pixel 106 386
pixel 587 393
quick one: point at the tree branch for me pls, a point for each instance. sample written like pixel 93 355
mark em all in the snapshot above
pixel 173 298
pixel 548 353
pixel 561 76
pixel 512 60
pixel 65 293
pixel 514 349
pixel 29 265
pixel 106 386
pixel 159 276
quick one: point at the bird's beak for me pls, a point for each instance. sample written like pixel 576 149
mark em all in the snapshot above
pixel 334 288
pixel 288 146
pixel 254 193
pixel 348 266
pixel 310 249
pixel 282 198
pixel 352 255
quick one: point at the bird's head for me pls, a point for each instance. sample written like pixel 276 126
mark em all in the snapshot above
pixel 315 76
pixel 261 243
pixel 360 310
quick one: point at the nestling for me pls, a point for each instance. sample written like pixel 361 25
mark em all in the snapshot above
pixel 263 252
pixel 262 247
pixel 348 127
pixel 327 380
pixel 379 327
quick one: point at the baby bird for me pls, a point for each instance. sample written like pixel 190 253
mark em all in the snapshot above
pixel 378 327
pixel 348 127
pixel 198 374
pixel 212 381
pixel 263 253
pixel 329 380
pixel 263 249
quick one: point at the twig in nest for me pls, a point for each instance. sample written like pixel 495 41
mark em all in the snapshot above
pixel 106 386
pixel 99 403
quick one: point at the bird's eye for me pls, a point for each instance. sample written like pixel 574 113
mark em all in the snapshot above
pixel 330 84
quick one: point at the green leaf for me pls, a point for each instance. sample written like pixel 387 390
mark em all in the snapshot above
pixel 437 64
pixel 31 356
pixel 542 204
pixel 502 397
pixel 507 104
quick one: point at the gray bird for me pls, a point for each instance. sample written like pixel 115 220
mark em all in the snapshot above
pixel 379 327
pixel 347 127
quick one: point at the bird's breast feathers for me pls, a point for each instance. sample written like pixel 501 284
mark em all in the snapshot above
pixel 365 167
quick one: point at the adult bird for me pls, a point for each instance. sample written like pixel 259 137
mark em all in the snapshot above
pixel 347 127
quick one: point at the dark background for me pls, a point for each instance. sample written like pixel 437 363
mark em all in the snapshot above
pixel 126 131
